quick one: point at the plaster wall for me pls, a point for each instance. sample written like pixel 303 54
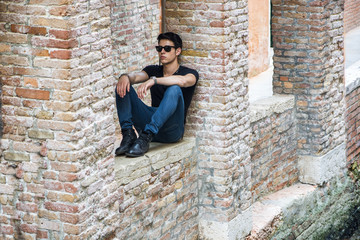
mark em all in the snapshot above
pixel 259 36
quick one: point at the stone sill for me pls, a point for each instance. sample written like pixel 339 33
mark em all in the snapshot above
pixel 268 213
pixel 159 155
pixel 352 79
pixel 266 107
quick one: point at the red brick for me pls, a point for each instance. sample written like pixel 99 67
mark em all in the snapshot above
pixel 13 38
pixel 28 228
pixel 29 81
pixel 72 229
pixel 50 185
pixel 60 34
pixel 5 47
pixel 27 29
pixel 60 207
pixel 33 93
pixel 50 2
pixel 64 167
pixel 217 24
pixel 9 230
pixel 42 234
pixel 61 54
pixel 69 218
pixel 40 52
pixel 5 70
pixel 59 11
pixel 32 104
pixel 70 188
pixel 27 207
pixel 54 43
pixel 27 10
pixel 50 175
pixel 14 60
pixel 67 177
pixel 32 71
pixel 37 31
pixel 50 22
pixel 10 80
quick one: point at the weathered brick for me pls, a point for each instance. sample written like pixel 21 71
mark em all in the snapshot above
pixel 5 47
pixel 28 228
pixel 42 234
pixel 59 11
pixel 69 218
pixel 27 207
pixel 50 22
pixel 16 156
pixel 60 207
pixel 60 34
pixel 60 54
pixel 28 29
pixel 53 43
pixel 50 2
pixel 33 93
pixel 32 82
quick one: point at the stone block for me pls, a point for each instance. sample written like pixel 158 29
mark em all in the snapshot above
pixel 238 228
pixel 320 169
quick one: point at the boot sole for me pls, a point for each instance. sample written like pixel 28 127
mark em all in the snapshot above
pixel 134 155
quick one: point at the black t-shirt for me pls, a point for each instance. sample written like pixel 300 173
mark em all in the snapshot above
pixel 157 91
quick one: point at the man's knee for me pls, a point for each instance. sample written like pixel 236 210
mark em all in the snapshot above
pixel 173 91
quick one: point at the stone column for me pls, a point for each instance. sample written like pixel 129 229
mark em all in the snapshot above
pixel 215 43
pixel 309 63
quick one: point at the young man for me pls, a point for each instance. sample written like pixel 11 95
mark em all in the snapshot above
pixel 171 86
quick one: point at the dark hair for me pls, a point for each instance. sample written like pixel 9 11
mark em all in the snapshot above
pixel 175 38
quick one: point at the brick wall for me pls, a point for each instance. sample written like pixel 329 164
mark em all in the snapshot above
pixel 351 15
pixel 135 26
pixel 353 122
pixel 308 63
pixel 57 104
pixel 157 196
pixel 57 64
pixel 273 149
pixel 215 36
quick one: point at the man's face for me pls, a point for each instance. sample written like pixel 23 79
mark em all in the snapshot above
pixel 168 57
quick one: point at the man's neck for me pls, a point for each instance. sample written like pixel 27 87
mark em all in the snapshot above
pixel 170 69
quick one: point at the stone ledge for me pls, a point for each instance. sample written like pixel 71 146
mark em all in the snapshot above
pixel 160 154
pixel 266 107
pixel 268 213
pixel 352 79
pixel 352 85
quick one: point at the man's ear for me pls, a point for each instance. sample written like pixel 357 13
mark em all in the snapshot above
pixel 178 51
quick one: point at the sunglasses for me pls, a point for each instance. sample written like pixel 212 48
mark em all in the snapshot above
pixel 167 48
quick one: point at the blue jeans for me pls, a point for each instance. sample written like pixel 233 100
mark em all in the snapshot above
pixel 166 122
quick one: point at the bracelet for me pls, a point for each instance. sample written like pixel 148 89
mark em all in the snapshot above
pixel 154 78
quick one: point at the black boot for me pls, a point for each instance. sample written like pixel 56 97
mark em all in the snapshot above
pixel 129 137
pixel 141 145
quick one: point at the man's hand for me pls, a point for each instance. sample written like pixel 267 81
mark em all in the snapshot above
pixel 144 87
pixel 123 86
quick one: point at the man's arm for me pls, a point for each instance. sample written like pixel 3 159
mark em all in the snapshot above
pixel 183 81
pixel 125 80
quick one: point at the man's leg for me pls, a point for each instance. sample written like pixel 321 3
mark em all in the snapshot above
pixel 127 107
pixel 165 125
